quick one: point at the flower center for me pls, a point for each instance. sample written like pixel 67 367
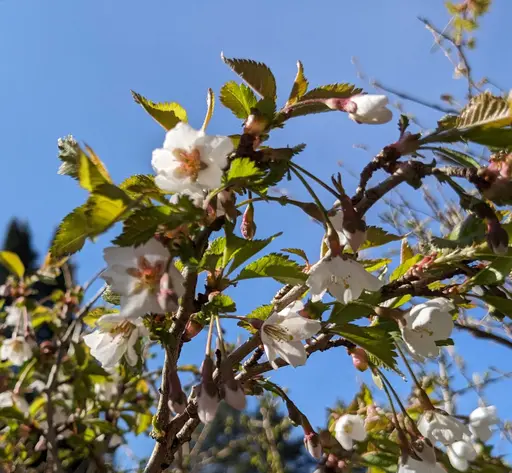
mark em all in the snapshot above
pixel 341 281
pixel 190 163
pixel 124 328
pixel 277 332
pixel 348 428
pixel 148 275
pixel 17 346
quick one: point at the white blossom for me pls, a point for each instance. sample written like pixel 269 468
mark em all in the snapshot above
pixel 481 420
pixel 344 279
pixel 348 428
pixel 282 332
pixel 369 109
pixel 460 454
pixel 411 465
pixel 137 275
pixel 115 337
pixel 443 428
pixel 425 324
pixel 16 349
pixel 14 316
pixel 312 445
pixel 9 399
pixel 190 160
pixel 352 238
pixel 208 397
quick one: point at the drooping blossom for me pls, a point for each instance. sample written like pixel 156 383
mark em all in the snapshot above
pixel 313 445
pixel 411 465
pixel 208 397
pixel 425 324
pixel 282 334
pixel 349 427
pixel 481 420
pixel 233 391
pixel 364 108
pixel 190 160
pixel 460 454
pixel 137 275
pixel 114 339
pixel 9 399
pixel 443 428
pixel 349 226
pixel 344 279
pixel 16 350
pixel 14 316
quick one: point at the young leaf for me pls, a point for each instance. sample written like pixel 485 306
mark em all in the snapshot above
pixel 501 304
pixel 167 114
pixel 376 236
pixel 240 171
pixel 495 273
pixel 485 110
pixel 300 86
pixel 374 340
pixel 298 252
pixel 276 266
pixel 256 74
pixel 71 233
pixel 12 262
pixel 404 267
pixel 260 313
pixel 239 98
pixel 456 157
pixel 212 257
pixel 219 304
pixel 332 91
pixel 240 250
pixel 405 251
pixel 141 184
pixel 91 173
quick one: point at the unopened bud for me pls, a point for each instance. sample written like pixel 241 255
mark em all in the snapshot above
pixel 248 226
pixel 312 444
pixel 192 329
pixel 47 347
pixel 497 237
pixel 343 105
pixel 255 124
pixel 359 358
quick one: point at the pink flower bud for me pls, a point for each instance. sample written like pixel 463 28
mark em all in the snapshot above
pixel 255 124
pixel 208 397
pixel 359 359
pixel 313 446
pixel 192 329
pixel 248 226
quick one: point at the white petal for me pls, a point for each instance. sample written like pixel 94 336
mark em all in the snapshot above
pixel 153 251
pixel 217 148
pixel 210 177
pixel 206 407
pixel 345 440
pixel 163 161
pixel 236 399
pixel 120 256
pixel 268 346
pixel 482 432
pixel 139 304
pixel 293 353
pixel 464 450
pixel 457 462
pixel 420 343
pixel 294 307
pixel 299 327
pixel 318 278
pixel 369 103
pixel 484 416
pixel 182 136
pixel 178 280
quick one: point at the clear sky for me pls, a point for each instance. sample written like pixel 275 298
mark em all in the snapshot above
pixel 68 67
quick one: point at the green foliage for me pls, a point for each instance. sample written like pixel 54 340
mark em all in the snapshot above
pixel 298 252
pixel 377 342
pixel 12 262
pixel 72 233
pixel 456 157
pixel 376 236
pixel 344 313
pixel 494 273
pixel 242 172
pixel 261 313
pixel 276 266
pixel 402 269
pixel 167 114
pixel 239 98
pixel 220 304
pixel 300 86
pixel 91 171
pixel 256 74
pixel 501 304
pixel 485 110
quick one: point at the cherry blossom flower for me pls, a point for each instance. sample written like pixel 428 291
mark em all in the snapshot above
pixel 190 160
pixel 16 349
pixel 443 428
pixel 115 337
pixel 234 394
pixel 350 228
pixel 137 275
pixel 208 397
pixel 411 465
pixel 282 332
pixel 460 454
pixel 9 399
pixel 369 109
pixel 425 324
pixel 344 279
pixel 14 316
pixel 481 420
pixel 348 428
pixel 312 445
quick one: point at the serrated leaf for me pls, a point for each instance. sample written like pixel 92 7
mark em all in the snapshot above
pixel 12 262
pixel 111 297
pixel 261 313
pixel 296 251
pixel 344 313
pixel 493 274
pixel 374 264
pixel 404 267
pixel 241 171
pixel 300 85
pixel 212 257
pixel 71 233
pixel 493 137
pixel 91 172
pixel 239 98
pixel 456 157
pixel 374 340
pixel 240 249
pixel 167 114
pixel 220 303
pixel 141 185
pixel 256 74
pixel 405 251
pixel 376 236
pixel 276 266
pixel 485 110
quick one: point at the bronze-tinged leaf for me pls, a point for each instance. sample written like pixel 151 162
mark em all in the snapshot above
pixel 486 110
pixel 167 114
pixel 300 86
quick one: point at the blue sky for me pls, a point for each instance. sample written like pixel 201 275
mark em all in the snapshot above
pixel 68 67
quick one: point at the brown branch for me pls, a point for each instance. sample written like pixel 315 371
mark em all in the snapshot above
pixel 480 333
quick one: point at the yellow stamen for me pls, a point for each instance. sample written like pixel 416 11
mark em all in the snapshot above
pixel 190 163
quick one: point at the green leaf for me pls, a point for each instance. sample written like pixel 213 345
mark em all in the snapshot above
pixel 167 114
pixel 37 404
pixel 495 273
pixel 239 98
pixel 212 257
pixel 376 236
pixel 142 185
pixel 71 233
pixel 261 313
pixel 240 250
pixel 220 303
pixel 69 154
pixel 241 171
pixel 374 340
pixel 405 251
pixel 276 266
pixel 12 262
pixel 485 110
pixel 143 422
pixel 404 267
pixel 492 137
pixel 456 157
pixel 445 343
pixel 374 264
pixel 256 74
pixel 501 304
pixel 94 314
pixel 91 172
pixel 298 252
pixel 300 86
pixel 344 313
pixel 142 225
pixel 111 297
